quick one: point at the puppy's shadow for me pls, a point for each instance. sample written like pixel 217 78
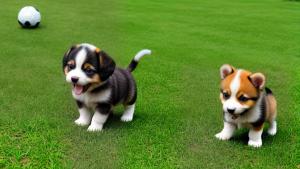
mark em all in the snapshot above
pixel 114 121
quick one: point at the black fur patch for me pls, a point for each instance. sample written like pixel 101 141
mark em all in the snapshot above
pixel 123 86
pixel 104 86
pixel 106 65
pixel 104 108
pixel 268 91
pixel 133 99
pixel 70 55
pixel 79 104
pixel 133 64
pixel 92 59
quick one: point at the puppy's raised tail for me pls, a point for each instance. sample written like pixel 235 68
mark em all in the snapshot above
pixel 134 62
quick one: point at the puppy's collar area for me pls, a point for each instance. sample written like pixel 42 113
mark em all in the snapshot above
pixel 99 87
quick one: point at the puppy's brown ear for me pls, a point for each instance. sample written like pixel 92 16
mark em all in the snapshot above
pixel 258 80
pixel 226 70
pixel 106 65
pixel 65 58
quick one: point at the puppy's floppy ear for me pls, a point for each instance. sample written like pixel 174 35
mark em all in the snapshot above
pixel 258 80
pixel 226 70
pixel 65 58
pixel 106 65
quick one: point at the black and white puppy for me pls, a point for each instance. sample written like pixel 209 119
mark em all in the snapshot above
pixel 98 85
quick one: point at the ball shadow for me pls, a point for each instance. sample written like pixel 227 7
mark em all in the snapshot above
pixel 40 27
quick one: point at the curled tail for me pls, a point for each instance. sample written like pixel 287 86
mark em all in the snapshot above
pixel 134 62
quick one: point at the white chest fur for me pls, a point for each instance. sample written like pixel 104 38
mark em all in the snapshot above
pixel 91 99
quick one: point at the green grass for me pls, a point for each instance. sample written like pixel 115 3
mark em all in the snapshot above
pixel 178 111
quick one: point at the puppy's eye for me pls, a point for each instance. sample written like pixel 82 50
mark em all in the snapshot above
pixel 89 71
pixel 225 95
pixel 71 66
pixel 243 98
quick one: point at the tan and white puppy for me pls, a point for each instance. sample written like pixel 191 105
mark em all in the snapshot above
pixel 246 103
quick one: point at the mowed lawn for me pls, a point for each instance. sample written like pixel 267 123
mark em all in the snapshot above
pixel 178 109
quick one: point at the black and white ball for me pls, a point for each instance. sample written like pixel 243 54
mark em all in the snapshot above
pixel 29 17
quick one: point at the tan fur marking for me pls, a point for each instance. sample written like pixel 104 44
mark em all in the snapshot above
pixel 94 83
pixel 66 71
pixel 97 50
pixel 101 61
pixel 225 84
pixel 71 62
pixel 247 88
pixel 88 66
pixel 95 79
pixel 271 108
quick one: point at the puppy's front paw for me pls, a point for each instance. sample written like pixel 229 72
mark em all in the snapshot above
pixel 95 127
pixel 82 122
pixel 223 136
pixel 255 144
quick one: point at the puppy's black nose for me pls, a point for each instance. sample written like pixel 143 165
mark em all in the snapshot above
pixel 74 79
pixel 231 111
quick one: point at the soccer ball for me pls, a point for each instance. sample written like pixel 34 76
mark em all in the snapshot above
pixel 29 17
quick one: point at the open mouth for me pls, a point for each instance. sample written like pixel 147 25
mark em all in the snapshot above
pixel 235 116
pixel 79 89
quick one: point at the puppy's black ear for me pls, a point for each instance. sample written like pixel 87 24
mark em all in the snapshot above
pixel 65 58
pixel 226 70
pixel 106 65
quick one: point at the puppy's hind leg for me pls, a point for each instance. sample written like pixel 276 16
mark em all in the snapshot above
pixel 272 114
pixel 272 128
pixel 129 103
pixel 128 113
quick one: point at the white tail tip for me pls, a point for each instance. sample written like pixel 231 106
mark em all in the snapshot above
pixel 142 53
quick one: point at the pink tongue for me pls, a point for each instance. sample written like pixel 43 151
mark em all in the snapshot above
pixel 78 89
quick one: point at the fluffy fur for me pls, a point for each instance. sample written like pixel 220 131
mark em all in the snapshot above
pixel 98 85
pixel 246 103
